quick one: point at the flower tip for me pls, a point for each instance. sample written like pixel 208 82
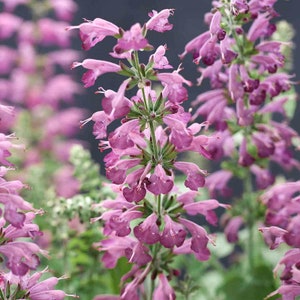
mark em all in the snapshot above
pixel 75 64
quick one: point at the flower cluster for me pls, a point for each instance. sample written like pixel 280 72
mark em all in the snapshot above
pixel 248 107
pixel 20 255
pixel 248 88
pixel 34 79
pixel 282 219
pixel 146 222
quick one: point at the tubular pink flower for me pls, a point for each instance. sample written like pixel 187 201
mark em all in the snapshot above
pixel 173 86
pixel 133 39
pixel 159 59
pixel 148 232
pixel 138 254
pixel 195 176
pixel 114 248
pixel 95 69
pixel 164 291
pixel 173 233
pixel 232 228
pixel 200 237
pixel 93 32
pixel 205 208
pixel 159 20
pixel 159 182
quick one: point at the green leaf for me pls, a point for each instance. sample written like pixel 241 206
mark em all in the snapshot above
pixel 256 284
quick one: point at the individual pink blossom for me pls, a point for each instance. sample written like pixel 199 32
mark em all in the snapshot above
pixel 93 32
pixel 205 208
pixel 148 231
pixel 159 20
pixel 114 248
pixel 21 256
pixel 173 233
pixel 173 86
pixel 232 228
pixel 164 291
pixel 218 183
pixel 195 176
pixel 159 182
pixel 273 236
pixel 159 59
pixel 138 254
pixel 200 237
pixel 133 39
pixel 95 69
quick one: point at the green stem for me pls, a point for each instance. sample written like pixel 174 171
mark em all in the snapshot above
pixel 250 218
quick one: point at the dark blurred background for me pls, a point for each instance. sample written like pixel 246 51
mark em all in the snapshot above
pixel 188 23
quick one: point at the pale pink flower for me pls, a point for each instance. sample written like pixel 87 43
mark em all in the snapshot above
pixel 95 69
pixel 159 20
pixel 159 59
pixel 93 32
pixel 133 39
pixel 164 291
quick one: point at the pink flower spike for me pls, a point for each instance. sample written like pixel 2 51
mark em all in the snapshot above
pixel 93 32
pixel 159 21
pixel 195 176
pixel 95 69
pixel 148 232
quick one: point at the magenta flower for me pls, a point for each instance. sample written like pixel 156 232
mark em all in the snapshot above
pixel 138 254
pixel 200 237
pixel 159 20
pixel 159 182
pixel 93 32
pixel 173 233
pixel 133 39
pixel 159 59
pixel 114 248
pixel 95 69
pixel 232 228
pixel 21 256
pixel 9 24
pixel 164 291
pixel 148 231
pixel 195 176
pixel 173 86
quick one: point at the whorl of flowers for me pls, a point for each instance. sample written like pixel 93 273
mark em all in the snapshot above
pixel 147 221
